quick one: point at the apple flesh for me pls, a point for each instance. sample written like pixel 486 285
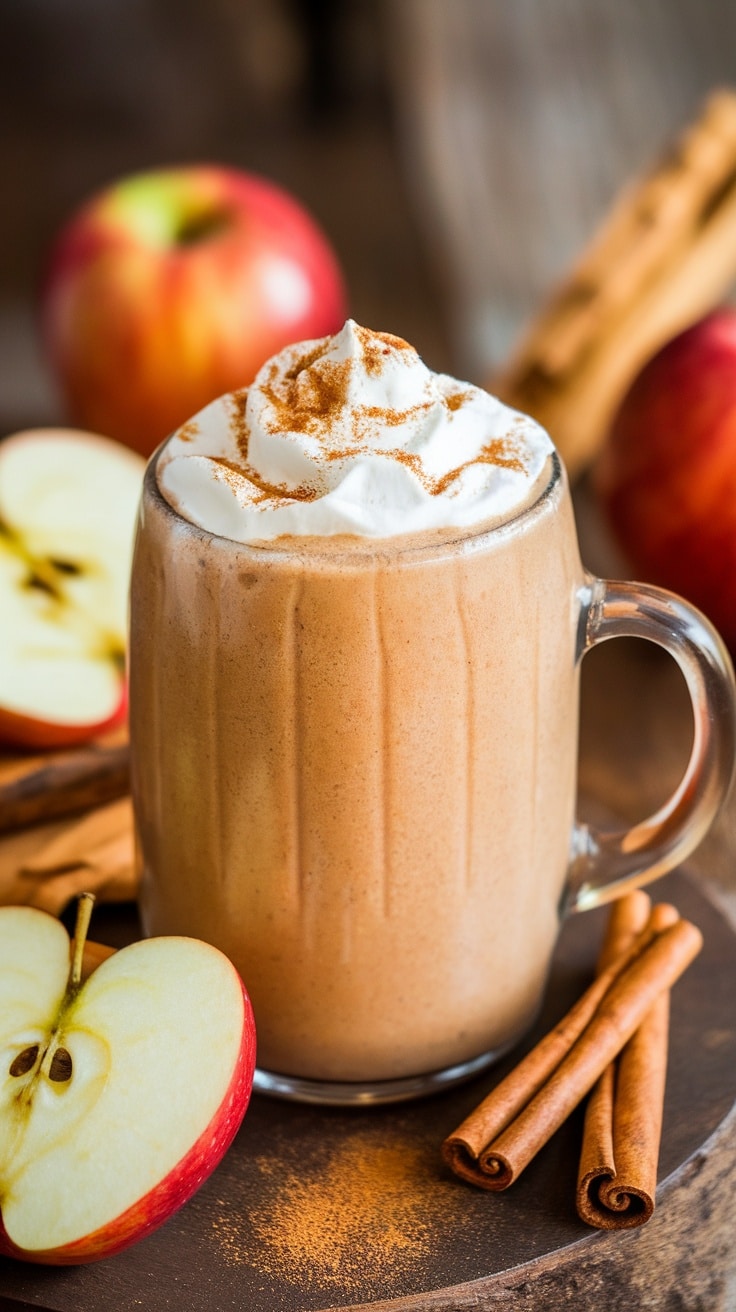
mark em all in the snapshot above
pixel 119 1093
pixel 174 286
pixel 68 503
pixel 666 479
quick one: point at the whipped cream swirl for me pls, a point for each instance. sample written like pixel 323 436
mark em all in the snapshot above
pixel 351 434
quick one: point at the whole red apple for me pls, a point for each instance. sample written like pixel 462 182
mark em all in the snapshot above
pixel 666 478
pixel 174 286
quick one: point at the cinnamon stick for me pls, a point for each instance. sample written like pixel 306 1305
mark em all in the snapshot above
pixel 664 256
pixel 95 854
pixel 617 1177
pixel 498 1140
pixel 79 843
pixel 55 784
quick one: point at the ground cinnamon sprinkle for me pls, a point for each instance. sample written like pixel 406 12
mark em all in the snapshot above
pixel 188 431
pixel 306 400
pixel 307 360
pixel 235 476
pixel 378 345
pixel 357 1221
pixel 500 451
pixel 238 423
pixel 457 399
pixel 375 415
pixel 314 392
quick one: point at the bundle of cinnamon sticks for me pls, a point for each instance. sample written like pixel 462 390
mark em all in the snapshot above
pixel 612 1045
pixel 74 806
pixel 94 853
pixel 663 256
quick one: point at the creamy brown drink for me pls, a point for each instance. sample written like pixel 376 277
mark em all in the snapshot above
pixel 354 751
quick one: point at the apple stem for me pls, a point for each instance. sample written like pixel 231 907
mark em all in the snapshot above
pixel 81 928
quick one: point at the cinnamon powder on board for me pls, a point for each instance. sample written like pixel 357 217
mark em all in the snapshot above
pixel 356 1221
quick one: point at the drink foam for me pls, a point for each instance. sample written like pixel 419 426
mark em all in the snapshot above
pixel 351 434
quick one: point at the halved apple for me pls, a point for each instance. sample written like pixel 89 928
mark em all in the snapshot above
pixel 119 1093
pixel 68 503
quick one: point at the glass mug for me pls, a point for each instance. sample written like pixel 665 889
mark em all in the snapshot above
pixel 354 771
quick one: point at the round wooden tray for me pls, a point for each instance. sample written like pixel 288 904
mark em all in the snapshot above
pixel 314 1209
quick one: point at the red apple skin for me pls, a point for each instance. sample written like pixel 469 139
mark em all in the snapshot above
pixel 30 734
pixel 178 1186
pixel 666 479
pixel 143 329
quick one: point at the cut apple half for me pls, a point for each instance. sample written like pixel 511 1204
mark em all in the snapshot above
pixel 119 1093
pixel 68 503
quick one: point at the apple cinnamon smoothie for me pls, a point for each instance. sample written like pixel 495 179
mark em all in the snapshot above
pixel 354 705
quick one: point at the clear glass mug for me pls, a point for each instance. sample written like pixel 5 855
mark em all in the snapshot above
pixel 354 770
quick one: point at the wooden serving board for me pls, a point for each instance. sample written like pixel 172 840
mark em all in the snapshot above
pixel 324 1209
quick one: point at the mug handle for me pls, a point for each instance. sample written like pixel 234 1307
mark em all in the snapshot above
pixel 606 865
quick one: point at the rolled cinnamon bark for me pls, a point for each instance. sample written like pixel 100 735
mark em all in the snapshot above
pixel 94 854
pixel 57 784
pixel 664 256
pixel 617 1177
pixel 498 1140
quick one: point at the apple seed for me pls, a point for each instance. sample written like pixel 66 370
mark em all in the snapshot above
pixel 65 566
pixel 24 1061
pixel 36 580
pixel 116 654
pixel 43 572
pixel 61 1066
